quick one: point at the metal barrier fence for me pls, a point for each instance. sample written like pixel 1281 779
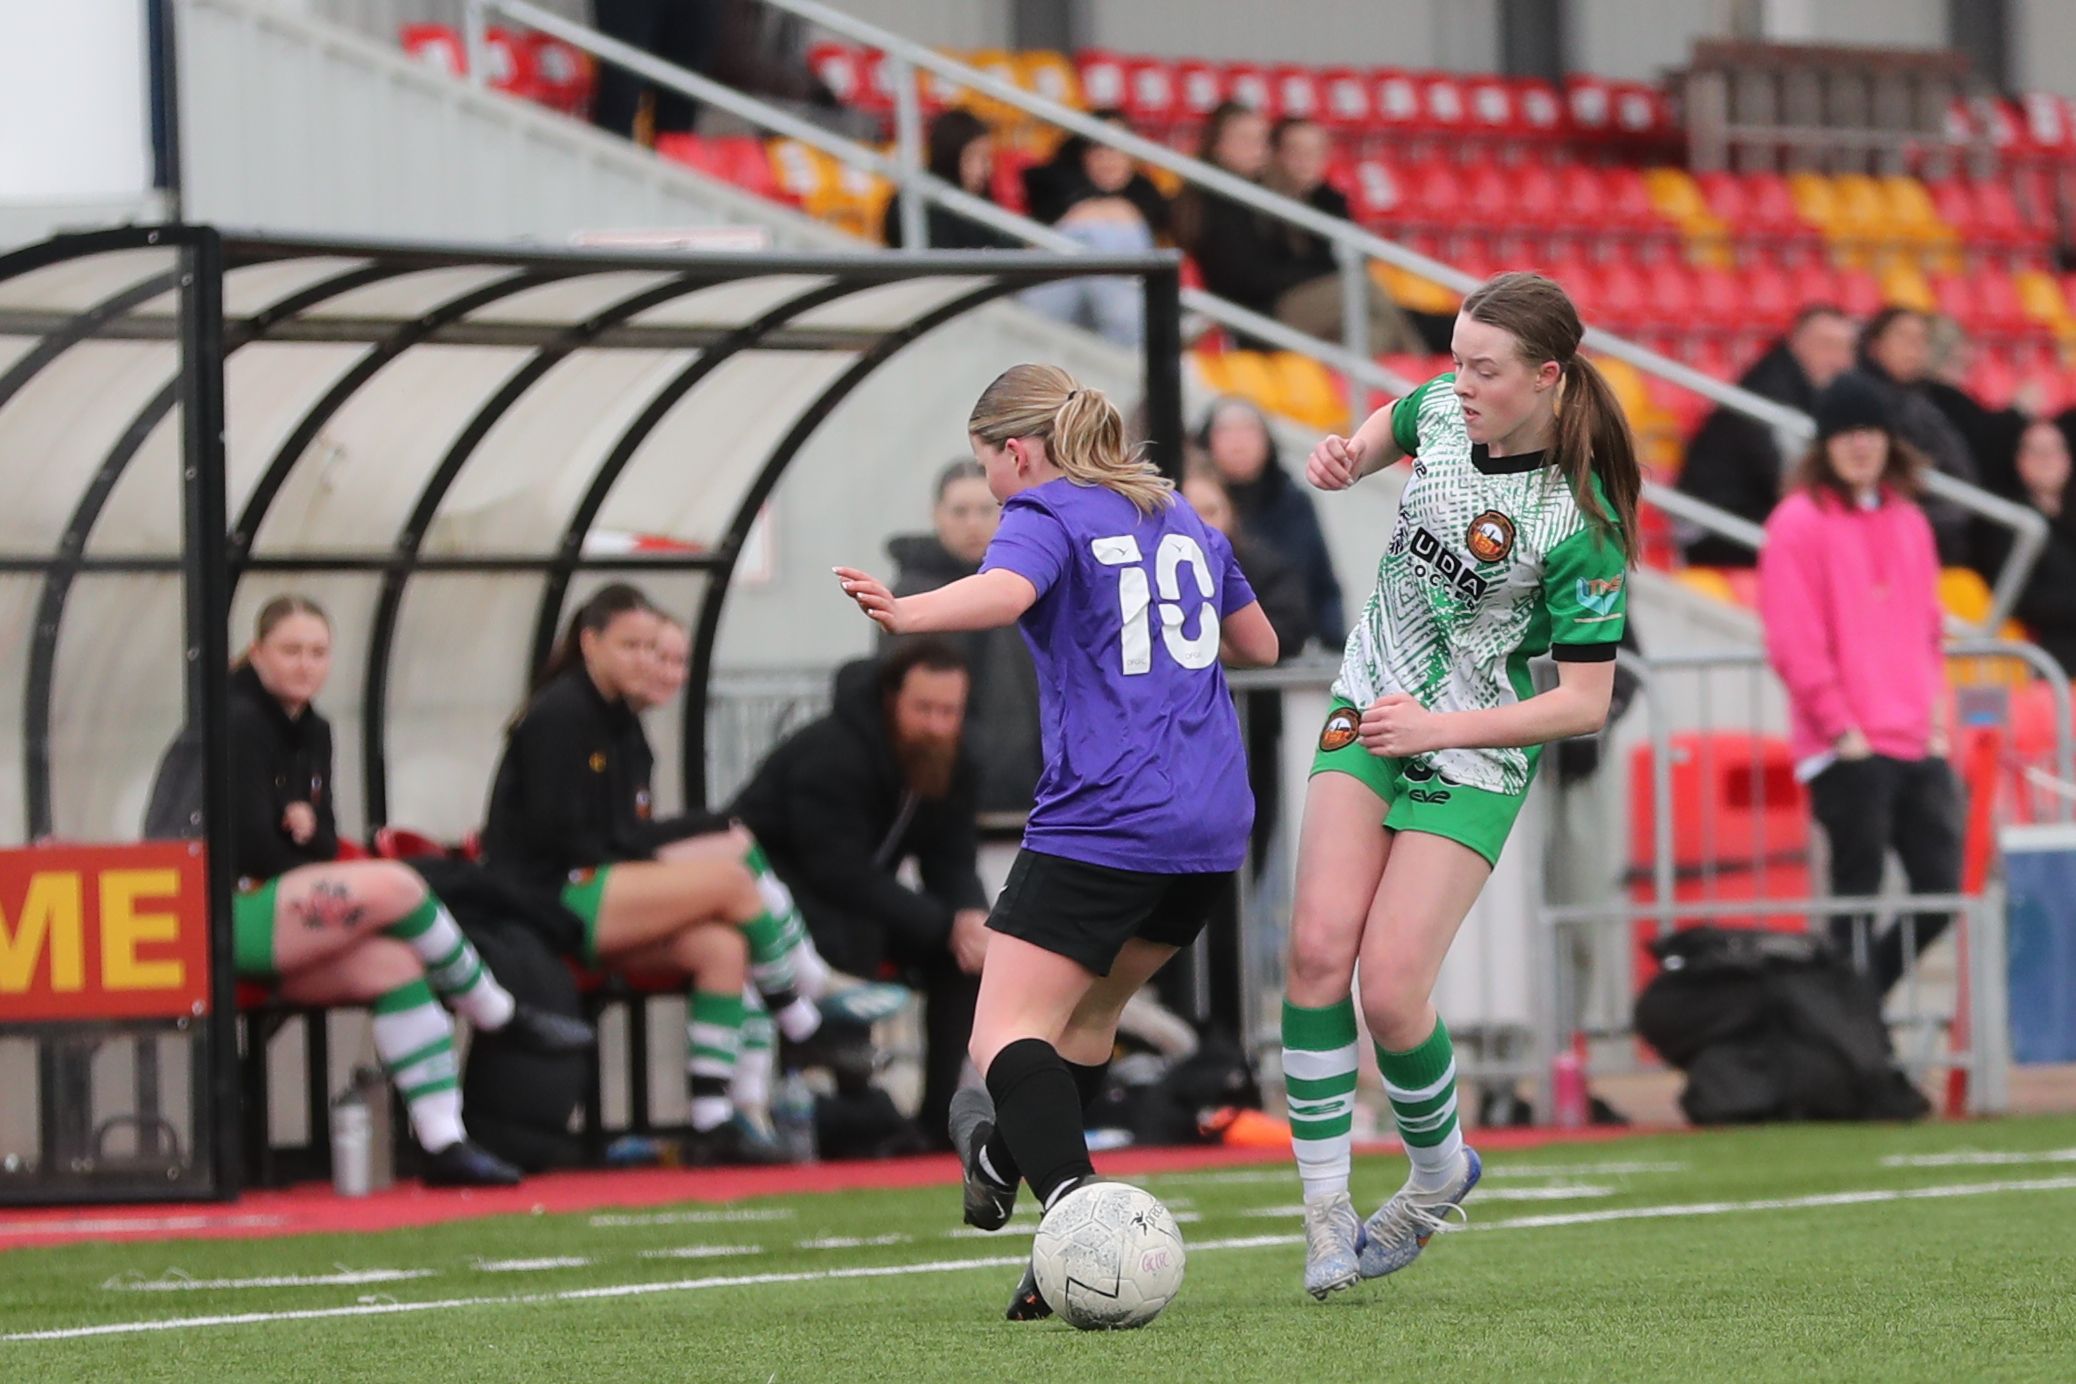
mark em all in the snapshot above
pixel 1595 868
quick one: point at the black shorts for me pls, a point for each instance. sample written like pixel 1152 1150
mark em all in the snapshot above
pixel 1087 913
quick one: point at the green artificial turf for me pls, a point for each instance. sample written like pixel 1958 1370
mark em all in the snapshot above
pixel 1979 1284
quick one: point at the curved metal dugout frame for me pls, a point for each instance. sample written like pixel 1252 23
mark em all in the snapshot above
pixel 236 551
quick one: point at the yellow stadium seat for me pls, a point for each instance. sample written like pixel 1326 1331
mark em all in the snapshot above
pixel 1964 594
pixel 1002 66
pixel 1903 284
pixel 1050 75
pixel 1307 391
pixel 804 173
pixel 2042 298
pixel 1817 200
pixel 1409 290
pixel 1708 582
pixel 1245 373
pixel 1677 197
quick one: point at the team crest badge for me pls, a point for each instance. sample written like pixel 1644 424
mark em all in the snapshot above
pixel 1340 729
pixel 1490 537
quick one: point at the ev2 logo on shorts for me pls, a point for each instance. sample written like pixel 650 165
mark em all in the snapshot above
pixel 1135 600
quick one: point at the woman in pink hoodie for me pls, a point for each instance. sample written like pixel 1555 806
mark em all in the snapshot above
pixel 1849 592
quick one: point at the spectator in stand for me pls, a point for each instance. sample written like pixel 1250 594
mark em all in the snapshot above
pixel 843 803
pixel 1735 463
pixel 1274 511
pixel 1991 434
pixel 1278 584
pixel 1895 353
pixel 1848 595
pixel 2048 603
pixel 1299 152
pixel 960 152
pixel 1002 704
pixel 1092 193
pixel 732 41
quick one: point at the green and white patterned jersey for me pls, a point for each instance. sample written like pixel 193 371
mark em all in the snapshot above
pixel 1491 564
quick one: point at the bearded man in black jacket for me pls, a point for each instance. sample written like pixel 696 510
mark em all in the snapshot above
pixel 842 803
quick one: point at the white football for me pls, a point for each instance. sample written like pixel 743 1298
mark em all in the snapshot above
pixel 1108 1257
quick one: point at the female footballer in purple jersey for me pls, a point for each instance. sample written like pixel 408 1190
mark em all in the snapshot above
pixel 1128 601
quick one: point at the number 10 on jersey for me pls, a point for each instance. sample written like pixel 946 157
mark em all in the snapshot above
pixel 1135 600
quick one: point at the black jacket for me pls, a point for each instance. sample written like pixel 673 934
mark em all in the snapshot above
pixel 1734 463
pixel 1280 587
pixel 572 789
pixel 1002 707
pixel 1301 250
pixel 1057 186
pixel 1919 422
pixel 830 808
pixel 1277 514
pixel 1243 255
pixel 945 229
pixel 276 761
pixel 2048 603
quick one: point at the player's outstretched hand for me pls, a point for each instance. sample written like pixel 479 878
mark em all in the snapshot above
pixel 1397 726
pixel 872 597
pixel 1335 463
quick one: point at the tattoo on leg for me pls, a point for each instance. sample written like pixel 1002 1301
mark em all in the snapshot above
pixel 330 905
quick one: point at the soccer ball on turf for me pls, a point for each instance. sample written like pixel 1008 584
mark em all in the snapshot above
pixel 1108 1257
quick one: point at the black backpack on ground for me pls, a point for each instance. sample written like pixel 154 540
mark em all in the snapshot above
pixel 1771 1026
pixel 517 1103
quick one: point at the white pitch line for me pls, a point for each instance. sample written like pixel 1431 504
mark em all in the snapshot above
pixel 1482 1195
pixel 138 1225
pixel 531 1265
pixel 855 1241
pixel 346 1278
pixel 702 1252
pixel 1977 1159
pixel 623 1290
pixel 727 1217
pixel 1579 1169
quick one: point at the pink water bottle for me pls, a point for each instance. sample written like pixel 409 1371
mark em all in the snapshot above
pixel 1568 1085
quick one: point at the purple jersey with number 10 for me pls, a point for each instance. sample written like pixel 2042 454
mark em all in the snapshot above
pixel 1143 764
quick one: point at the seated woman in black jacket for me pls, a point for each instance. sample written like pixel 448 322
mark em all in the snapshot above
pixel 571 812
pixel 353 932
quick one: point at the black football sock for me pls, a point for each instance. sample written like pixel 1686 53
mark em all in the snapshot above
pixel 1038 1116
pixel 1088 1082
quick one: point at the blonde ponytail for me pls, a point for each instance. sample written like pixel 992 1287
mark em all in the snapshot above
pixel 1083 432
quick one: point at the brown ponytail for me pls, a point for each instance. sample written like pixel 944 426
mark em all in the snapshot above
pixel 607 604
pixel 1593 437
pixel 1083 433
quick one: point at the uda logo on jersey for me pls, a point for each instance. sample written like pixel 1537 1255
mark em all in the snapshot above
pixel 1445 568
pixel 1490 537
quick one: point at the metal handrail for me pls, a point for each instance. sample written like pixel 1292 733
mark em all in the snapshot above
pixel 1353 245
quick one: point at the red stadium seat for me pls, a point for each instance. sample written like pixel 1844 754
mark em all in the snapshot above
pixel 1768 296
pixel 1249 84
pixel 1298 92
pixel 1199 87
pixel 402 843
pixel 1590 105
pixel 1105 80
pixel 1539 110
pixel 841 68
pixel 1859 292
pixel 1445 105
pixel 1719 299
pixel 1345 99
pixel 511 65
pixel 437 44
pixel 1153 99
pixel 566 74
pixel 1395 102
pixel 1493 114
pixel 1376 193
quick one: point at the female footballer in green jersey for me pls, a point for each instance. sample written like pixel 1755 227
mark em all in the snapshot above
pixel 1514 538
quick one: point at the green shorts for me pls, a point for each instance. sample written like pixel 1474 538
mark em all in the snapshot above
pixel 252 930
pixel 1415 797
pixel 584 895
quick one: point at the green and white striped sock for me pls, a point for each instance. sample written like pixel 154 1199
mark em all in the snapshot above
pixel 415 1040
pixel 716 1033
pixel 1319 1061
pixel 752 1086
pixel 452 965
pixel 1421 1085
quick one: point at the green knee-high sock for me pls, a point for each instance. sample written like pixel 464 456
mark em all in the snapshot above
pixel 1421 1085
pixel 415 1040
pixel 456 972
pixel 1319 1064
